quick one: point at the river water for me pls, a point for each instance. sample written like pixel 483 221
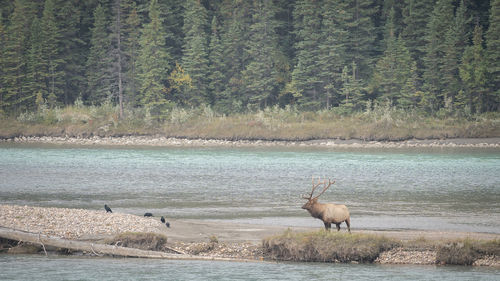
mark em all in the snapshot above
pixel 446 189
pixel 429 189
pixel 41 268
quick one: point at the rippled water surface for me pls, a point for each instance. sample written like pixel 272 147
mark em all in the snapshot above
pixel 73 268
pixel 449 189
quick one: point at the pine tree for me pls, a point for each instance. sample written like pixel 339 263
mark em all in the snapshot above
pixel 51 38
pixel 362 37
pixel 73 48
pixel 394 75
pixel 351 87
pixel 441 20
pixel 216 69
pixel 473 72
pixel 415 18
pixel 131 34
pixel 493 57
pixel 3 38
pixel 456 39
pixel 260 75
pixel 332 48
pixel 117 53
pixel 234 41
pixel 386 71
pixel 173 21
pixel 99 63
pixel 408 75
pixel 153 63
pixel 305 76
pixel 35 82
pixel 195 59
pixel 16 97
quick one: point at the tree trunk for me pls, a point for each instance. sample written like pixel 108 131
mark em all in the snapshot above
pixel 97 249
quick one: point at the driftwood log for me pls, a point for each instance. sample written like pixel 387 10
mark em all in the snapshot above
pixel 97 249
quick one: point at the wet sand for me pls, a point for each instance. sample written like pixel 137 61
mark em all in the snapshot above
pixel 83 224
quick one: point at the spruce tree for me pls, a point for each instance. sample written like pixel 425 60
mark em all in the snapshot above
pixel 3 38
pixel 332 50
pixel 117 53
pixel 99 62
pixel 16 97
pixel 73 47
pixel 305 76
pixel 131 34
pixel 440 22
pixel 216 69
pixel 35 82
pixel 234 41
pixel 456 39
pixel 195 59
pixel 415 18
pixel 362 37
pixel 173 21
pixel 153 63
pixel 260 75
pixel 394 75
pixel 51 37
pixel 351 87
pixel 493 56
pixel 473 72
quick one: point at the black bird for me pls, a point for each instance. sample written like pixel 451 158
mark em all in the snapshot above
pixel 162 219
pixel 167 224
pixel 148 215
pixel 107 208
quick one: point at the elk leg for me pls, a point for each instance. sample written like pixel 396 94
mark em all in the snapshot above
pixel 338 226
pixel 348 222
pixel 328 226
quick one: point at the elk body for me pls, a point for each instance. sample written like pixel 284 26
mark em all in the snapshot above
pixel 328 213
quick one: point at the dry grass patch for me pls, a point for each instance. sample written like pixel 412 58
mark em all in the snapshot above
pixel 466 251
pixel 143 241
pixel 324 246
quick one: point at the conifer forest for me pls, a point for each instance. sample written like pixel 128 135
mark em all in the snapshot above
pixel 238 55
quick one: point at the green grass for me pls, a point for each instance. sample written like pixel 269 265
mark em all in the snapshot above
pixel 274 123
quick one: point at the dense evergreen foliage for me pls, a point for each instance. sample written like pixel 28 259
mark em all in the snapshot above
pixel 232 55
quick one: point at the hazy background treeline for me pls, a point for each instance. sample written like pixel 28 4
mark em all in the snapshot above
pixel 233 55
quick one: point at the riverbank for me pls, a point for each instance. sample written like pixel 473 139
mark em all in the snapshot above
pixel 217 240
pixel 321 143
pixel 381 124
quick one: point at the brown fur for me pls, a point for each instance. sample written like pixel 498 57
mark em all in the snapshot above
pixel 329 213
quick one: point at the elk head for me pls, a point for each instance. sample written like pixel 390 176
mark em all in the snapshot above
pixel 311 201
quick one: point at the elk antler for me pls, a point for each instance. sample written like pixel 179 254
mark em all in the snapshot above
pixel 314 186
pixel 325 187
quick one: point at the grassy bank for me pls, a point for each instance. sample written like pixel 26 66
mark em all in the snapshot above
pixel 323 246
pixel 382 123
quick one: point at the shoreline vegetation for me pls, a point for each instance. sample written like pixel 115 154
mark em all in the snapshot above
pixel 382 126
pixel 62 231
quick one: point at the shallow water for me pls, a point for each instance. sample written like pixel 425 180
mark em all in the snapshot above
pixel 446 189
pixel 75 268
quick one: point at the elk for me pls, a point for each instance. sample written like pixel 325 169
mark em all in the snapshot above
pixel 329 213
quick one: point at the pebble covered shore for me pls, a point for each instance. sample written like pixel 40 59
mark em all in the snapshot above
pixel 327 143
pixel 74 223
pixel 80 224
